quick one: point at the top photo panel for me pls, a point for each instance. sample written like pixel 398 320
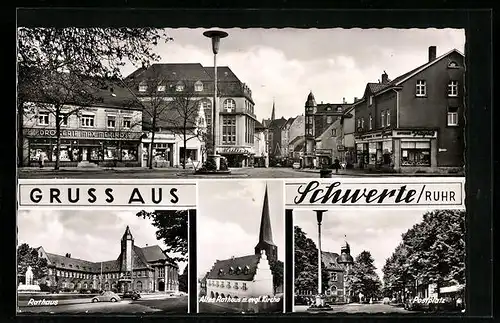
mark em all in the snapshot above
pixel 239 103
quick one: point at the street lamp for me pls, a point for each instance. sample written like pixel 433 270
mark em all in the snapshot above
pixel 216 35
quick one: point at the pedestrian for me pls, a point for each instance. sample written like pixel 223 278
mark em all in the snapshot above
pixel 41 159
pixel 336 165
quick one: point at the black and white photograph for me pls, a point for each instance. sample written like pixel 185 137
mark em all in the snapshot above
pixel 240 247
pixel 399 261
pixel 239 103
pixel 102 262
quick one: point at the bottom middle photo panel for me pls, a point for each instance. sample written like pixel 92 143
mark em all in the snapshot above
pixel 240 242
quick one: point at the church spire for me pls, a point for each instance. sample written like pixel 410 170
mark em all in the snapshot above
pixel 273 112
pixel 266 233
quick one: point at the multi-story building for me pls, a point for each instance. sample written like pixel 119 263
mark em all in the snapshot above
pixel 146 269
pixel 106 130
pixel 416 121
pixel 285 140
pixel 187 91
pixel 261 158
pixel 247 276
pixel 338 268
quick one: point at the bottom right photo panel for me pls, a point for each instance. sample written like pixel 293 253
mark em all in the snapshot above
pixel 362 260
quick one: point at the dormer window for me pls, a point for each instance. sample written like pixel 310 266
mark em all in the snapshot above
pixel 143 87
pixel 238 270
pixel 329 119
pixel 339 108
pixel 198 86
pixel 328 108
pixel 229 105
pixel 179 87
pixel 453 64
pixel 161 88
pixel 221 272
pixel 246 270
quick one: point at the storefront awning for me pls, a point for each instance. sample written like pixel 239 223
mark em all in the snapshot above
pixel 451 289
pixel 235 151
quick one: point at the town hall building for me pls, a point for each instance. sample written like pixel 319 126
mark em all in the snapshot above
pixel 144 269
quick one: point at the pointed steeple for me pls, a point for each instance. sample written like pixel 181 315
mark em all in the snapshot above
pixel 273 112
pixel 127 235
pixel 266 233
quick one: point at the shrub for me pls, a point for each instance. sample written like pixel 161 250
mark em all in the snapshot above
pixel 223 164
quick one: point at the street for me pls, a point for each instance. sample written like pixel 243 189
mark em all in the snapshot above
pixel 358 308
pixel 152 306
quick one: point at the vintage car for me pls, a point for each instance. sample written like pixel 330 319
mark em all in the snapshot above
pixel 133 295
pixel 107 296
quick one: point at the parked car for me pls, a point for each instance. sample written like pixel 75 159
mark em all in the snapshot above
pixel 106 297
pixel 133 295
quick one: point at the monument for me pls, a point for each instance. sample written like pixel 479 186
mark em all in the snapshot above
pixel 29 286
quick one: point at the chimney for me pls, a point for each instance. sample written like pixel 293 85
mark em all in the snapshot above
pixel 321 102
pixel 432 53
pixel 343 100
pixel 385 78
pixel 355 99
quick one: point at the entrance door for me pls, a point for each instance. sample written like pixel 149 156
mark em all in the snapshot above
pixel 161 286
pixel 85 154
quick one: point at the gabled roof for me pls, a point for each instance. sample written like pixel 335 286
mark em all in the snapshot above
pixel 259 125
pixel 278 123
pixel 329 259
pixel 153 253
pixel 327 130
pixel 296 140
pixel 221 268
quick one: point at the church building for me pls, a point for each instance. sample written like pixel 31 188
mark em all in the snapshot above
pixel 250 275
pixel 144 269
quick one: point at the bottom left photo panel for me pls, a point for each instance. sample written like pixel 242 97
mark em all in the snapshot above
pixel 109 261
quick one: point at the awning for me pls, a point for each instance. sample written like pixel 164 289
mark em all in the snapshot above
pixel 451 289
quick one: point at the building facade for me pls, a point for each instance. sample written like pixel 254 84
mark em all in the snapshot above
pixel 146 269
pixel 106 131
pixel 247 276
pixel 261 146
pixel 185 92
pixel 416 121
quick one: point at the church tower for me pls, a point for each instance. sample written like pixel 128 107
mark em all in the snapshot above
pixel 266 235
pixel 273 113
pixel 126 251
pixel 310 142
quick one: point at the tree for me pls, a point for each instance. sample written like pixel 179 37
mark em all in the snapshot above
pixel 28 256
pixel 363 278
pixel 44 54
pixel 172 229
pixel 306 263
pixel 183 280
pixel 277 271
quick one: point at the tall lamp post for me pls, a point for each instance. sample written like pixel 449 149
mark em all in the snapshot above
pixel 216 35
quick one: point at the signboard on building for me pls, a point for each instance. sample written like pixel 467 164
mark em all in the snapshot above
pixel 421 133
pixel 320 151
pixel 341 148
pixel 235 151
pixel 82 134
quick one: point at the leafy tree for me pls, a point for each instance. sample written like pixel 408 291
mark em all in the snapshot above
pixel 183 280
pixel 28 256
pixel 277 271
pixel 363 278
pixel 172 229
pixel 306 263
pixel 46 56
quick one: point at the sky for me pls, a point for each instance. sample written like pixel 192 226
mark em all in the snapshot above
pixel 283 65
pixel 375 230
pixel 228 219
pixel 89 235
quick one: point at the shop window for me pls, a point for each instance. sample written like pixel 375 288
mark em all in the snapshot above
pixel 453 88
pixel 452 116
pixel 229 105
pixel 388 118
pixel 229 129
pixel 111 121
pixel 127 123
pixel 43 118
pixel 87 120
pixel 421 88
pixel 110 153
pixel 415 153
pixel 198 86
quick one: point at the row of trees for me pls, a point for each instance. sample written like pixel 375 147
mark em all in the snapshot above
pixel 431 252
pixel 360 277
pixel 62 71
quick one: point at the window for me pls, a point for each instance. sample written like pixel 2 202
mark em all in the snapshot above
pixel 452 116
pixel 359 122
pixel 453 64
pixel 228 285
pixel 229 105
pixel 161 88
pixel 63 119
pixel 370 100
pixel 179 87
pixel 382 119
pixel 363 123
pixel 127 122
pixel 370 122
pixel 415 153
pixel 333 277
pixel 87 120
pixel 111 121
pixel 43 119
pixel 229 130
pixel 309 131
pixel 421 89
pixel 143 87
pixel 334 132
pixel 198 86
pixel 244 286
pixel 329 119
pixel 453 88
pixel 388 118
pixel 339 108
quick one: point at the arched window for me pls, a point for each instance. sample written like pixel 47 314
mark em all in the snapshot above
pixel 229 105
pixel 85 285
pixel 453 64
pixel 198 86
pixel 138 285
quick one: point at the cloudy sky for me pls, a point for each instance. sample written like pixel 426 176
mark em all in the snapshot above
pixel 89 235
pixel 229 219
pixel 285 64
pixel 375 230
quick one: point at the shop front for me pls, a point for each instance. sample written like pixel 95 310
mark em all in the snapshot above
pixel 238 156
pixel 323 157
pixel 401 150
pixel 104 148
pixel 169 151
